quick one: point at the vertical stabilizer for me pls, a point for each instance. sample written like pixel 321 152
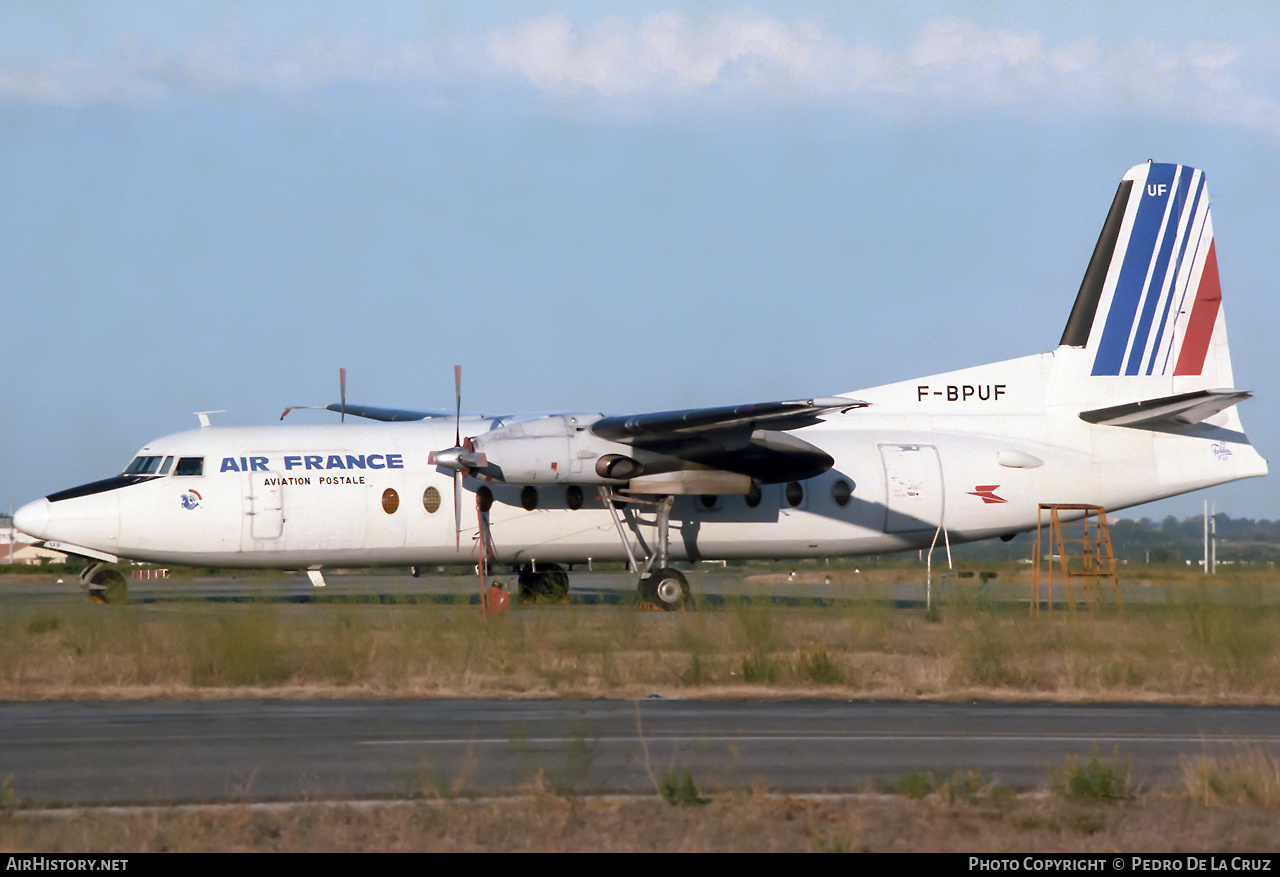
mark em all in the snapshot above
pixel 1150 303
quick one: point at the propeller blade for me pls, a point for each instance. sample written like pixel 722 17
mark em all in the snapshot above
pixel 457 421
pixel 457 473
pixel 342 388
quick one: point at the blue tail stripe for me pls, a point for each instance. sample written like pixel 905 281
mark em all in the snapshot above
pixel 1155 286
pixel 1192 231
pixel 1133 271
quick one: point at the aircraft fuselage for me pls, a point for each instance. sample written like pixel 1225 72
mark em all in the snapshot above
pixel 975 463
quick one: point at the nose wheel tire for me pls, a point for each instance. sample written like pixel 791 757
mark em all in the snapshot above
pixel 108 587
pixel 665 588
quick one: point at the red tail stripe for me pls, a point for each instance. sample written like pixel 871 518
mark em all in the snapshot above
pixel 1204 314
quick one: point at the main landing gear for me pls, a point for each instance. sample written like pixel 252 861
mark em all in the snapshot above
pixel 550 582
pixel 661 588
pixel 665 588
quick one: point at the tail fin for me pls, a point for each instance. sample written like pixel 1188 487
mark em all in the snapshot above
pixel 1150 303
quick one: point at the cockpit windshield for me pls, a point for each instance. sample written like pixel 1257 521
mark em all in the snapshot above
pixel 149 466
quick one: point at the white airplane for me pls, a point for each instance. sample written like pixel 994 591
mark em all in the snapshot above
pixel 1135 404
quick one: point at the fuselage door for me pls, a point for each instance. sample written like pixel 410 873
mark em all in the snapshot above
pixel 265 505
pixel 913 488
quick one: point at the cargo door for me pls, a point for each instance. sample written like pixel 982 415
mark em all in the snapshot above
pixel 913 488
pixel 265 507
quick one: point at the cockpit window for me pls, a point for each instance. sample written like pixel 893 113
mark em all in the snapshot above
pixel 143 466
pixel 168 461
pixel 189 466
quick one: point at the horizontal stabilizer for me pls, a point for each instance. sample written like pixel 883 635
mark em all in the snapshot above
pixel 1182 409
pixel 667 425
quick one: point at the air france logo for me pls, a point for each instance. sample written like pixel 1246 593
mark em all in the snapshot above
pixel 191 500
pixel 1221 451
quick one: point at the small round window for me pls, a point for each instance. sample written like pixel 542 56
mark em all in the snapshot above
pixel 841 491
pixel 390 501
pixel 529 497
pixel 431 500
pixel 795 494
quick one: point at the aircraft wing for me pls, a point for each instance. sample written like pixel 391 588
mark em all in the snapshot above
pixel 388 415
pixel 665 426
pixel 1184 408
pixel 372 412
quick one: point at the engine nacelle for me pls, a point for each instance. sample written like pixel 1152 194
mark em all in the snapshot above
pixel 616 467
pixel 553 450
pixel 563 449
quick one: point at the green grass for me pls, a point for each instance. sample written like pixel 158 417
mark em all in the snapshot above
pixel 679 791
pixel 1096 780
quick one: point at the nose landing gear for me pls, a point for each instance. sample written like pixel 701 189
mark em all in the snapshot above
pixel 105 585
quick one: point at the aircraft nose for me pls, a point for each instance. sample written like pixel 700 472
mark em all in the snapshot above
pixel 32 518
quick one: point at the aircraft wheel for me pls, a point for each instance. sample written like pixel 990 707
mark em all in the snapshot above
pixel 109 587
pixel 666 588
pixel 555 582
pixel 551 583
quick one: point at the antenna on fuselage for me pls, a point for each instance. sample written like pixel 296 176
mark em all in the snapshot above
pixel 204 417
pixel 342 389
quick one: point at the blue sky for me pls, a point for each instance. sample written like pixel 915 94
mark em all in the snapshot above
pixel 624 207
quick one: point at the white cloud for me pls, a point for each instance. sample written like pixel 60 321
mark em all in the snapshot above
pixel 950 66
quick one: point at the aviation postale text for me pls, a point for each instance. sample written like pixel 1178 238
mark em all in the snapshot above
pixel 314 462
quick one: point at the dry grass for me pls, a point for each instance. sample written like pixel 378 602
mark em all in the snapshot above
pixel 1188 645
pixel 992 820
pixel 1194 646
pixel 1250 775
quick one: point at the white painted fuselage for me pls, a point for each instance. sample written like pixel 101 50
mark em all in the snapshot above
pixel 1135 405
pixel 974 452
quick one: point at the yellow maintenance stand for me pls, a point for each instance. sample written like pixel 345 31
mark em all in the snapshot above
pixel 1079 550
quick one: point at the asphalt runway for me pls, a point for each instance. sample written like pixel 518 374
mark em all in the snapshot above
pixel 711 586
pixel 247 751
pixel 586 588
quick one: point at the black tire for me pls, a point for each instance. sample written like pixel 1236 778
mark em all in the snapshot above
pixel 555 582
pixel 665 588
pixel 109 586
pixel 528 580
pixel 550 583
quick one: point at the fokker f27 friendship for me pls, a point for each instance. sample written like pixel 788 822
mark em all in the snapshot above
pixel 1136 403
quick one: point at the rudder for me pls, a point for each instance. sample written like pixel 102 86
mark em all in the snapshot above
pixel 1150 301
